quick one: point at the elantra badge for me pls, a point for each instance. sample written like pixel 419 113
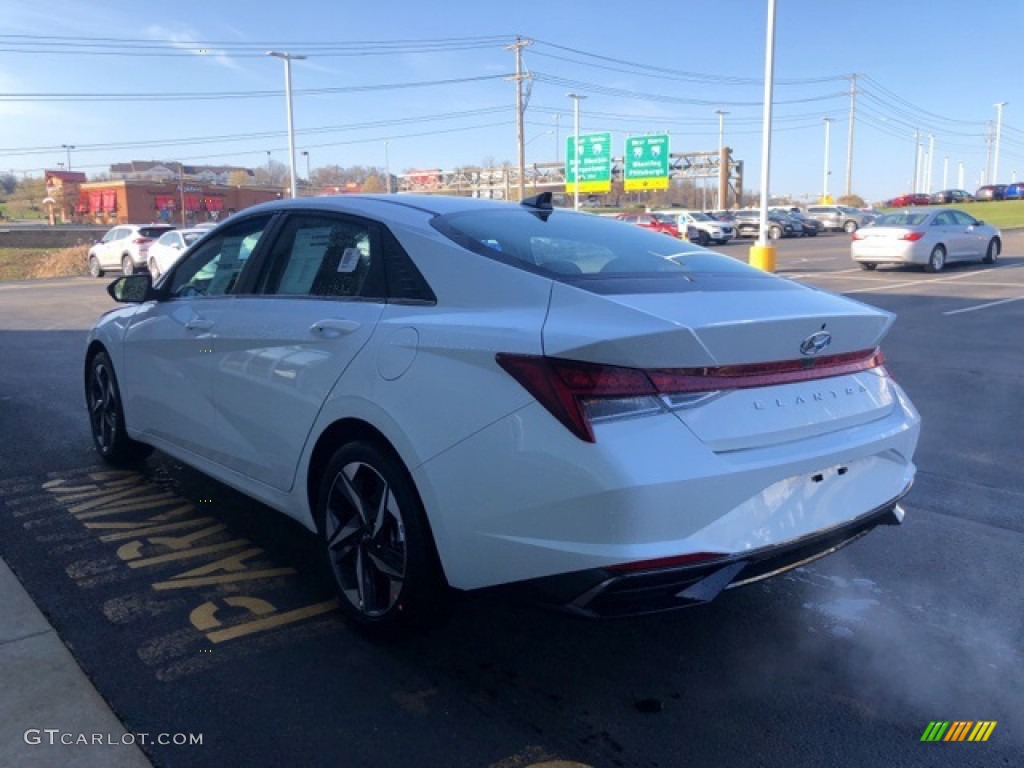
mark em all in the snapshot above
pixel 816 342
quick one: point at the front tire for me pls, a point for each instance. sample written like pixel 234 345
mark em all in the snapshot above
pixel 868 265
pixel 377 542
pixel 774 232
pixel 94 267
pixel 937 260
pixel 106 416
pixel 992 252
pixel 127 265
pixel 703 238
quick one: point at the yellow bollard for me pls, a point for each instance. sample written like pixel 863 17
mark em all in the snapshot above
pixel 763 257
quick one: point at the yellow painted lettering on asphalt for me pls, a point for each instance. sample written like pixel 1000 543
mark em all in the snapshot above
pixel 132 530
pixel 125 551
pixel 224 571
pixel 271 622
pixel 205 618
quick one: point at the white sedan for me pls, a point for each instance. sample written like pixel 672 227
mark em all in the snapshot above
pixel 460 393
pixel 165 251
pixel 930 238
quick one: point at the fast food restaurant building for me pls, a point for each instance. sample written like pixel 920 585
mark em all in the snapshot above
pixel 126 201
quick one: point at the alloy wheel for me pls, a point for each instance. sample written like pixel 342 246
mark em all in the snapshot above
pixel 365 535
pixel 103 408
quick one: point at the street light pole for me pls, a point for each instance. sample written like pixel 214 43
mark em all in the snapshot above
pixel 305 153
pixel 824 183
pixel 387 168
pixel 288 58
pixel 762 255
pixel 558 153
pixel 999 126
pixel 68 148
pixel 575 148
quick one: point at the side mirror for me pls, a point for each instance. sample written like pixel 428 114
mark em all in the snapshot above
pixel 132 289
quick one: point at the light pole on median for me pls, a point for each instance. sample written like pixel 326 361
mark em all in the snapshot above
pixel 288 58
pixel 575 148
pixel 762 255
pixel 824 183
pixel 999 126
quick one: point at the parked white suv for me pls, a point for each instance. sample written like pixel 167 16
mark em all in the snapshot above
pixel 708 228
pixel 124 247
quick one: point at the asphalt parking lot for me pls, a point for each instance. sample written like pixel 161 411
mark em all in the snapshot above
pixel 226 630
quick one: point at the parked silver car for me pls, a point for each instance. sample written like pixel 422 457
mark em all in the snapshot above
pixel 839 217
pixel 931 238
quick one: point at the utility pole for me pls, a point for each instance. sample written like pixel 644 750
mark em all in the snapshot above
pixel 995 165
pixel 68 148
pixel 824 183
pixel 945 172
pixel 575 149
pixel 849 137
pixel 917 157
pixel 181 189
pixel 305 154
pixel 387 167
pixel 960 175
pixel 723 162
pixel 518 46
pixel 931 161
pixel 986 177
pixel 288 58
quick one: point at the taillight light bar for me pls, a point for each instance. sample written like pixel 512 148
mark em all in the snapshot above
pixel 567 388
pixel 912 236
pixel 141 240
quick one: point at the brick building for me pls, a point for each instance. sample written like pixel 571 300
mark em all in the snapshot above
pixel 62 187
pixel 141 202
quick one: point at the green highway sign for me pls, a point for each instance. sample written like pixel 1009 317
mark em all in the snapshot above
pixel 646 162
pixel 595 163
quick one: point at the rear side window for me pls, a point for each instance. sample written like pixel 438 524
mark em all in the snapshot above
pixel 152 231
pixel 585 249
pixel 327 255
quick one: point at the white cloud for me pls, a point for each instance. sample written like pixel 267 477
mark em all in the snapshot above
pixel 188 40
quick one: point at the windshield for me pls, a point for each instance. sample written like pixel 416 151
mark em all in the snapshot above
pixel 903 219
pixel 191 237
pixel 701 217
pixel 573 247
pixel 153 231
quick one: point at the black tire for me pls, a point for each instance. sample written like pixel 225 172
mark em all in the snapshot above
pixel 94 267
pixel 850 227
pixel 106 416
pixel 936 260
pixel 774 232
pixel 703 238
pixel 127 265
pixel 992 252
pixel 154 270
pixel 377 543
pixel 812 233
pixel 868 265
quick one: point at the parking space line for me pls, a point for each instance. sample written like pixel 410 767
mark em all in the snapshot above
pixel 983 306
pixel 890 286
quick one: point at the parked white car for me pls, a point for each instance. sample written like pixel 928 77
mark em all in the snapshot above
pixel 464 393
pixel 165 251
pixel 124 247
pixel 708 228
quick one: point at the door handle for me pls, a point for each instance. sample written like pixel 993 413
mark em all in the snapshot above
pixel 334 326
pixel 198 324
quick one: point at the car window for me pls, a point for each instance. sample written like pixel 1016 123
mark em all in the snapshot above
pixel 167 239
pixel 214 268
pixel 963 219
pixel 326 255
pixel 902 219
pixel 152 231
pixel 190 237
pixel 943 220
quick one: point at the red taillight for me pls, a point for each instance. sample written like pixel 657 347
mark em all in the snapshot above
pixel 141 240
pixel 857 235
pixel 564 386
pixel 912 236
pixel 668 562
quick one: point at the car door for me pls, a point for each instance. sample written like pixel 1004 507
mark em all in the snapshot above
pixel 974 238
pixel 951 235
pixel 170 344
pixel 282 350
pixel 109 251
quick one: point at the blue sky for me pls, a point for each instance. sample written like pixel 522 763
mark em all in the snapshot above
pixel 937 66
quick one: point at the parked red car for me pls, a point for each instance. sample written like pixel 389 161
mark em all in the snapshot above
pixel 912 199
pixel 651 221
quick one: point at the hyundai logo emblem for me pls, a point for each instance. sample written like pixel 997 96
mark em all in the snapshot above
pixel 816 342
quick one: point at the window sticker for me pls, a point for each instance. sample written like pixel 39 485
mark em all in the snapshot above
pixel 349 260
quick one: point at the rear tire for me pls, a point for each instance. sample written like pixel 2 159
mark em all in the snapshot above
pixel 703 238
pixel 850 227
pixel 868 265
pixel 992 252
pixel 94 267
pixel 774 232
pixel 106 416
pixel 127 265
pixel 937 260
pixel 154 270
pixel 377 543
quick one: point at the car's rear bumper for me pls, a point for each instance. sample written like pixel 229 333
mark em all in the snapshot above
pixel 610 592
